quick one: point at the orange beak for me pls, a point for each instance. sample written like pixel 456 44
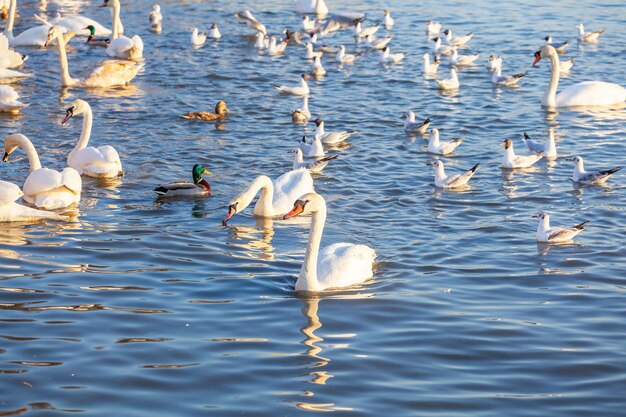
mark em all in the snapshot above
pixel 537 57
pixel 298 208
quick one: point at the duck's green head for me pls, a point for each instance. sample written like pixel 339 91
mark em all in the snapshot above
pixel 197 172
pixel 91 29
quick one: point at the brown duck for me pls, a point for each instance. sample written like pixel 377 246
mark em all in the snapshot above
pixel 221 112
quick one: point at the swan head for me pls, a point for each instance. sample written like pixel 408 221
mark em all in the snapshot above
pixel 53 32
pixel 543 52
pixel 11 143
pixel 76 107
pixel 197 171
pixel 244 199
pixel 309 201
pixel 507 143
pixel 220 108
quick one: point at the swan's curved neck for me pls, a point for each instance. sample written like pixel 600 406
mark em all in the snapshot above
pixel 66 79
pixel 28 147
pixel 85 134
pixel 307 280
pixel 8 29
pixel 549 98
pixel 264 206
pixel 116 21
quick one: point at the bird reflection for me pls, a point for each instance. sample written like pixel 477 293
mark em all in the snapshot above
pixel 130 90
pixel 256 241
pixel 309 309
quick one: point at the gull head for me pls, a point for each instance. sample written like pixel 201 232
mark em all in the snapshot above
pixel 507 143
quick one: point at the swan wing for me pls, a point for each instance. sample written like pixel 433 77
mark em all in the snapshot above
pixel 289 187
pixel 70 179
pixel 78 24
pixel 344 264
pixel 591 93
pixel 9 192
pixel 109 154
pixel 41 181
pixel 110 73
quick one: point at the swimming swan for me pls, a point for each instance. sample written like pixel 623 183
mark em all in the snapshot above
pixel 276 197
pixel 335 266
pixel 101 162
pixel 44 188
pixel 587 93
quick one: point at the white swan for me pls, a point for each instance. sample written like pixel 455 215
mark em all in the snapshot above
pixel 197 38
pixel 8 76
pixel 107 73
pixel 35 36
pixel 101 162
pixel 276 197
pixel 78 24
pixel 10 211
pixel 318 7
pixel 335 266
pixel 44 188
pixel 588 93
pixel 9 102
pixel 122 46
pixel 9 58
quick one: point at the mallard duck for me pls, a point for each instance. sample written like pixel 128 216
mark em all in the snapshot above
pixel 92 40
pixel 200 186
pixel 221 112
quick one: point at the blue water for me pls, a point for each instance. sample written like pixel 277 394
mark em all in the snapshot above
pixel 142 307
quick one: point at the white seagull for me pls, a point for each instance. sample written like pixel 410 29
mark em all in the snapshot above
pixel 301 90
pixel 451 181
pixel 588 36
pixel 313 166
pixel 547 234
pixel 457 40
pixel 512 161
pixel 441 148
pixel 430 68
pixel 589 177
pixel 330 138
pixel 560 48
pixel 548 147
pixel 387 57
pixel 411 126
pixel 313 149
pixel 451 83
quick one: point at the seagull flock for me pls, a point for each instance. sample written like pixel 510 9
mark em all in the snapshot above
pixel 47 192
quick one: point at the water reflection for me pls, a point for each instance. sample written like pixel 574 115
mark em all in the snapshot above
pixel 72 93
pixel 256 241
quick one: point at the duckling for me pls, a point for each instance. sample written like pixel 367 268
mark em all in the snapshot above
pixel 93 41
pixel 200 186
pixel 221 112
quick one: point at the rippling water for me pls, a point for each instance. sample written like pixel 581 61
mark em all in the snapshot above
pixel 139 306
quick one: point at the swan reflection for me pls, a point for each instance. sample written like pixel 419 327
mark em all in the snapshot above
pixel 256 242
